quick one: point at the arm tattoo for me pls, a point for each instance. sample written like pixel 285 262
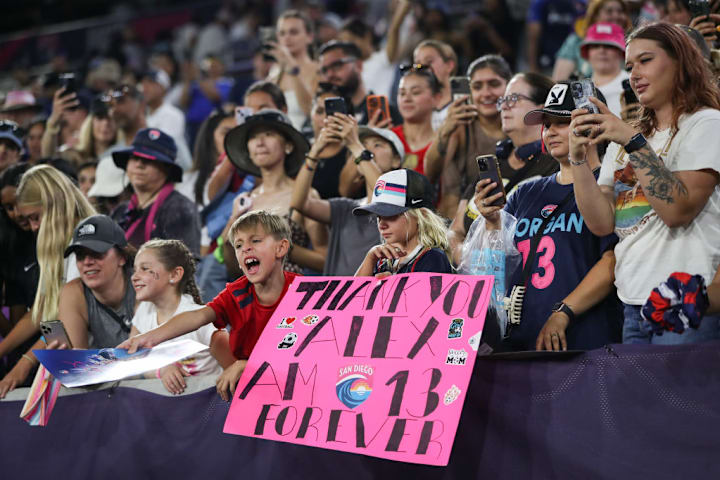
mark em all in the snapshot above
pixel 662 181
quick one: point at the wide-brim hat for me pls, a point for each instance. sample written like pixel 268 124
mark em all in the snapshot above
pixel 608 34
pixel 398 191
pixel 98 233
pixel 236 142
pixel 17 100
pixel 154 145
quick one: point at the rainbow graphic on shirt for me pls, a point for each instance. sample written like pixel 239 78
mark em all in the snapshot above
pixel 631 206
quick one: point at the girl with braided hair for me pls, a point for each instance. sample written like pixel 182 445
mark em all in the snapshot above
pixel 164 283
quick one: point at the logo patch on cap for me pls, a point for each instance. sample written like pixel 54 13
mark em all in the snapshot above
pixel 88 229
pixel 604 28
pixel 154 134
pixel 389 189
pixel 557 95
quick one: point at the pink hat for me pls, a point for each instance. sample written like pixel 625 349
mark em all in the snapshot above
pixel 603 34
pixel 19 100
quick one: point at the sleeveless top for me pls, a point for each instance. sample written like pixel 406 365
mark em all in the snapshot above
pixel 109 327
pixel 477 143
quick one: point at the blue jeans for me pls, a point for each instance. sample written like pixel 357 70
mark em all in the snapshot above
pixel 637 330
pixel 211 277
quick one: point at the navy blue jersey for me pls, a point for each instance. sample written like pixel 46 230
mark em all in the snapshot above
pixel 428 260
pixel 566 252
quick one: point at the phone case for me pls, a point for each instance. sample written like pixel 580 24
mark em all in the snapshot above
pixel 489 168
pixel 335 105
pixel 581 90
pixel 459 86
pixel 375 103
pixel 55 330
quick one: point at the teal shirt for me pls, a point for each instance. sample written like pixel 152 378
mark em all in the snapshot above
pixel 570 50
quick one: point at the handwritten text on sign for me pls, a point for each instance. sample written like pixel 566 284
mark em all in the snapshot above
pixel 374 367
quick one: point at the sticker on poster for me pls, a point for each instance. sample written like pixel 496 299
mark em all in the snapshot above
pixel 288 341
pixel 456 357
pixel 456 328
pixel 287 322
pixel 310 320
pixel 354 385
pixel 451 395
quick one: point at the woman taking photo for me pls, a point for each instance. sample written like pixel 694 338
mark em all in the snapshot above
pixel 156 209
pixel 268 146
pixel 53 206
pixel 471 128
pixel 564 268
pixel 658 184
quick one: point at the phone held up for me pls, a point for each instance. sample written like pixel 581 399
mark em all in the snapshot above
pixel 335 105
pixel 699 8
pixel 489 168
pixel 460 87
pixel 54 330
pixel 581 91
pixel 267 36
pixel 242 113
pixel 375 103
pixel 628 93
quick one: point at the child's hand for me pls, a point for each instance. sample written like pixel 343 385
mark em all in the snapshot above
pixel 137 342
pixel 172 377
pixel 228 380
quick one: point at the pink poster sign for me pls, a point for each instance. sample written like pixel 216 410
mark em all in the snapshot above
pixel 373 367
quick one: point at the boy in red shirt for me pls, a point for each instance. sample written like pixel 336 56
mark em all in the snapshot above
pixel 261 241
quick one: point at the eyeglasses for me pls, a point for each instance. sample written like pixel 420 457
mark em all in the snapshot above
pixel 511 100
pixel 336 65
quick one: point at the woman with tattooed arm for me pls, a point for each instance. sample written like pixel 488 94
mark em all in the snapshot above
pixel 658 186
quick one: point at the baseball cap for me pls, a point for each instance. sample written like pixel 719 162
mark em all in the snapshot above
pixel 158 76
pixel 608 34
pixel 384 133
pixel 398 191
pixel 98 233
pixel 11 131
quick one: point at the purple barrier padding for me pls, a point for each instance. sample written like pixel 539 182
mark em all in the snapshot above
pixel 632 412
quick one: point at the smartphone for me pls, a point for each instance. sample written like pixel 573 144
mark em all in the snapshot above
pixel 242 113
pixel 581 90
pixel 628 93
pixel 267 36
pixel 459 87
pixel 67 80
pixel 375 103
pixel 490 168
pixel 55 330
pixel 335 105
pixel 699 8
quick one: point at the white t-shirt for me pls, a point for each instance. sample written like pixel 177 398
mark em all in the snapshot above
pixel 649 251
pixel 171 120
pixel 378 74
pixel 70 270
pixel 612 92
pixel 438 116
pixel 201 363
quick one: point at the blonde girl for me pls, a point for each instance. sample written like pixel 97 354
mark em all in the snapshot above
pixel 164 283
pixel 414 237
pixel 53 206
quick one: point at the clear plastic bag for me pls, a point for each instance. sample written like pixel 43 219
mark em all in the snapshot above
pixel 492 252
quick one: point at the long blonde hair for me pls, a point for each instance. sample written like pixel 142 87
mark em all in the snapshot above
pixel 63 206
pixel 431 229
pixel 86 140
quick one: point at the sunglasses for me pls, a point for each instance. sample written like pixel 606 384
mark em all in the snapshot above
pixel 82 253
pixel 414 67
pixel 9 126
pixel 511 100
pixel 336 65
pixel 118 94
pixel 423 70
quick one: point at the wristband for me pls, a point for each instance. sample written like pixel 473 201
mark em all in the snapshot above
pixel 312 159
pixel 636 143
pixel 577 164
pixel 28 358
pixel 157 373
pixel 294 71
pixel 563 308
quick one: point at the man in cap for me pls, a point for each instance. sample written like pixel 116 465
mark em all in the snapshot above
pixel 11 146
pixel 161 114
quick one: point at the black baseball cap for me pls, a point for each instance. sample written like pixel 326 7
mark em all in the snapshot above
pixel 559 103
pixel 398 191
pixel 98 233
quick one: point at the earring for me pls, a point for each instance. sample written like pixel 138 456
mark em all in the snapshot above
pixel 172 281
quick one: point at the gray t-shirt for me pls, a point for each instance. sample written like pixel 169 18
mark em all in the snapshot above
pixel 105 327
pixel 351 236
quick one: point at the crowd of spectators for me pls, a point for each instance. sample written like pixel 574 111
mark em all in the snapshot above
pixel 298 126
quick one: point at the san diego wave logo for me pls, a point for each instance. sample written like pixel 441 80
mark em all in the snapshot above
pixel 379 187
pixel 547 210
pixel 354 385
